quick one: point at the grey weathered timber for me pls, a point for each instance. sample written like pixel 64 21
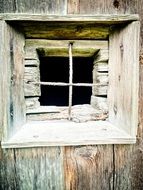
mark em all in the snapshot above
pixel 81 48
pixel 17 101
pixel 2 102
pixel 31 74
pixel 100 78
pixel 102 56
pixel 96 18
pixel 107 7
pixel 3 94
pixel 79 113
pixel 123 68
pixel 32 102
pixel 96 27
pixel 31 62
pixel 73 7
pixel 67 133
pixel 99 102
pixel 101 66
pixel 33 168
pixel 12 66
pixel 50 7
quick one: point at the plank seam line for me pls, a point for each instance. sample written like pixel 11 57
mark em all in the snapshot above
pixel 114 167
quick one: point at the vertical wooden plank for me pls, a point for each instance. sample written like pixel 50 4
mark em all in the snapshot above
pixel 123 77
pixel 35 168
pixel 44 166
pixel 11 77
pixel 88 167
pixel 34 6
pixel 123 164
pixel 1 6
pixel 7 6
pixel 73 6
pixel 4 81
pixel 17 101
pixel 42 6
pixel 128 163
pixel 128 159
pixel 108 7
pixel 7 170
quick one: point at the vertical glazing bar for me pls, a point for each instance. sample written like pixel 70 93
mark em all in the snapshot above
pixel 70 79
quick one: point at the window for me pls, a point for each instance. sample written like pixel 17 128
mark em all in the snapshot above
pixel 68 80
pixel 56 69
pixel 107 111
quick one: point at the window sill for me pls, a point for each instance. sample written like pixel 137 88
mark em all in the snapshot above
pixel 66 133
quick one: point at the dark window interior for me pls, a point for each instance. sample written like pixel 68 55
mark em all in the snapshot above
pixel 82 69
pixel 54 95
pixel 56 69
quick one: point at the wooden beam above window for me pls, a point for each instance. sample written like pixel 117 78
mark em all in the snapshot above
pixel 66 27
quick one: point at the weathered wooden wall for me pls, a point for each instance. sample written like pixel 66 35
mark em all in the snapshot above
pixel 116 167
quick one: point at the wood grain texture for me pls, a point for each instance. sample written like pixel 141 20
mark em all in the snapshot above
pixel 67 133
pixel 125 166
pixel 79 114
pixel 2 77
pixel 7 6
pixel 26 169
pixel 108 7
pixel 32 102
pixel 81 48
pixel 31 74
pixel 31 62
pixel 73 6
pixel 101 79
pixel 16 72
pixel 12 94
pixel 123 78
pixel 63 30
pixel 95 18
pixel 99 102
pixel 34 6
pixel 88 167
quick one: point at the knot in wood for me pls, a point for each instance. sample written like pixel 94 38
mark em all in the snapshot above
pixel 116 4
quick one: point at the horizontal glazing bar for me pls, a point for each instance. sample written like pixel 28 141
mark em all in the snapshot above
pixel 68 84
